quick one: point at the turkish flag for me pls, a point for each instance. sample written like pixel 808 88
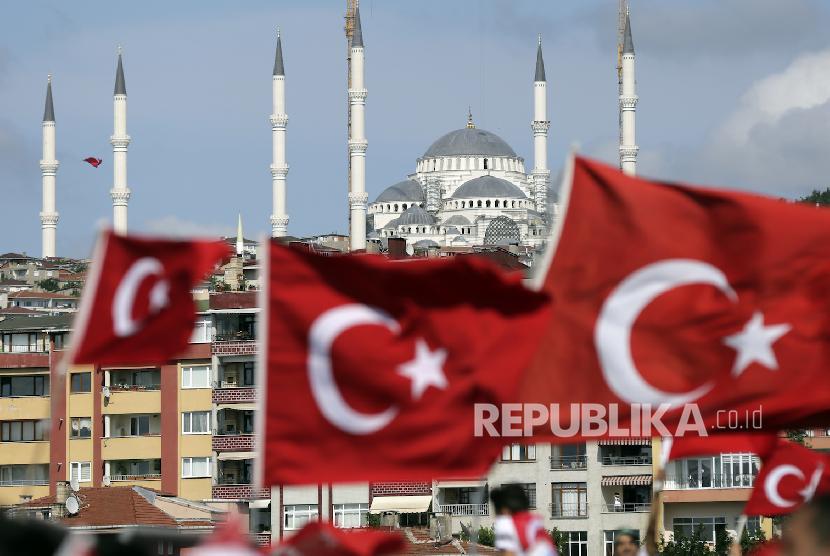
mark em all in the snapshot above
pixel 761 444
pixel 137 306
pixel 322 539
pixel 673 295
pixel 789 477
pixel 374 366
pixel 94 162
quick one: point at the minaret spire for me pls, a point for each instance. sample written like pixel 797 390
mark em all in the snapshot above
pixel 628 104
pixel 120 192
pixel 470 124
pixel 540 127
pixel 48 173
pixel 357 141
pixel 240 238
pixel 279 168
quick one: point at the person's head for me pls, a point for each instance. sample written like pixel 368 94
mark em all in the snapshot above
pixel 807 532
pixel 625 543
pixel 509 499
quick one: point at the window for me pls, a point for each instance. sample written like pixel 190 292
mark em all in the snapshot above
pixel 248 374
pixel 80 382
pixel 530 490
pixel 568 456
pixel 195 467
pixel 25 385
pixel 724 471
pixel 35 474
pixel 80 470
pixel 139 425
pixel 575 543
pixel 196 377
pixel 686 527
pixel 60 340
pixel 519 452
pixel 196 422
pixel 610 537
pixel 569 500
pixel 297 515
pixel 81 427
pixel 753 525
pixel 24 343
pixel 201 331
pixel 24 431
pixel 351 515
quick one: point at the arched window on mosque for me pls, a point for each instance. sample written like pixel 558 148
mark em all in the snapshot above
pixel 404 206
pixel 487 203
pixel 496 203
pixel 479 204
pixel 396 207
pixel 485 164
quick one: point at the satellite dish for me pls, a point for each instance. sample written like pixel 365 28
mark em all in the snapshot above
pixel 73 484
pixel 72 505
pixel 106 480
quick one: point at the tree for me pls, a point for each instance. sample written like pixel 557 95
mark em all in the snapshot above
pixel 748 542
pixel 817 197
pixel 681 545
pixel 49 285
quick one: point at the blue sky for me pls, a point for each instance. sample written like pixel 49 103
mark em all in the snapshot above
pixel 732 92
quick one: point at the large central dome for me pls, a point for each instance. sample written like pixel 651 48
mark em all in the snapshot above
pixel 470 141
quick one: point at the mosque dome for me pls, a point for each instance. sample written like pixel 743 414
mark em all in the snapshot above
pixel 488 186
pixel 415 216
pixel 470 141
pixel 457 220
pixel 407 190
pixel 425 244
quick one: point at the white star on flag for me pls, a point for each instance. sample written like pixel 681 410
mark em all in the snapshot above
pixel 425 370
pixel 754 343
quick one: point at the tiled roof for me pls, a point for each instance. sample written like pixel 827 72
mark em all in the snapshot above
pixel 40 295
pixel 19 311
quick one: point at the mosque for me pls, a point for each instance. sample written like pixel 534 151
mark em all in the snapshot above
pixel 469 188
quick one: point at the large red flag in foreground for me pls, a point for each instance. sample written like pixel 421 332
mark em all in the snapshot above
pixel 321 539
pixel 672 294
pixel 137 306
pixel 374 366
pixel 790 476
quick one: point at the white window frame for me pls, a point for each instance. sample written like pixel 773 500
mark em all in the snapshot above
pixel 202 330
pixel 187 422
pixel 295 516
pixel 187 376
pixel 76 469
pixel 342 513
pixel 190 460
pixel 576 543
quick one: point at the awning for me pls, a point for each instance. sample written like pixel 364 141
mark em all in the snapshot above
pixel 461 483
pixel 627 480
pixel 625 442
pixel 237 406
pixel 400 504
pixel 222 456
pixel 259 504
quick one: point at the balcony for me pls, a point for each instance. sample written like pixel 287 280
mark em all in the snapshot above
pixel 23 360
pixel 138 477
pixel 233 394
pixel 633 507
pixel 713 482
pixel 566 463
pixel 566 511
pixel 232 442
pixel 464 509
pixel 239 492
pixel 236 344
pixel 626 460
pixel 23 482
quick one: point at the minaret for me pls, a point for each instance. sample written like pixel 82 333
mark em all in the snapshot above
pixel 540 126
pixel 48 171
pixel 279 168
pixel 357 142
pixel 120 140
pixel 628 105
pixel 240 238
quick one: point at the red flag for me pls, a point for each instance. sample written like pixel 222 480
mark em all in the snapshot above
pixel 382 361
pixel 227 539
pixel 690 445
pixel 95 162
pixel 769 548
pixel 137 305
pixel 790 476
pixel 680 295
pixel 321 539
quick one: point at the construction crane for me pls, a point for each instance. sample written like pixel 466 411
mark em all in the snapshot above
pixel 351 8
pixel 622 13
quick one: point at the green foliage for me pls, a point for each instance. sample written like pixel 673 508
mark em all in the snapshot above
pixel 373 520
pixel 798 436
pixel 748 542
pixel 817 197
pixel 681 545
pixel 559 540
pixel 487 536
pixel 49 285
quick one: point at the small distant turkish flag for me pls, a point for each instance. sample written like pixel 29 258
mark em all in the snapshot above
pixel 137 305
pixel 93 161
pixel 685 297
pixel 374 366
pixel 321 539
pixel 761 444
pixel 789 477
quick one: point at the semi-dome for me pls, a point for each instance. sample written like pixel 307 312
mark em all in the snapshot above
pixel 407 190
pixel 488 186
pixel 457 220
pixel 415 216
pixel 392 224
pixel 425 244
pixel 470 141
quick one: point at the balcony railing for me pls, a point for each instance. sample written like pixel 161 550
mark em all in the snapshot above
pixel 627 507
pixel 626 460
pixel 224 344
pixel 234 395
pixel 232 442
pixel 464 509
pixel 24 482
pixel 144 477
pixel 23 349
pixel 239 492
pixel 569 462
pixel 238 336
pixel 134 387
pixel 713 481
pixel 568 510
